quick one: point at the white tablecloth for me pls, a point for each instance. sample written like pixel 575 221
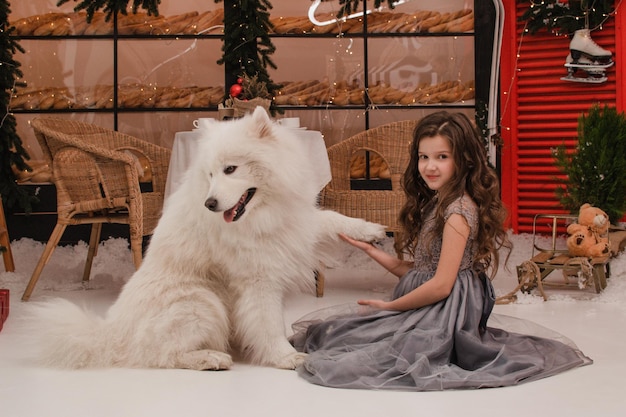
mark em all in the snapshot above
pixel 185 144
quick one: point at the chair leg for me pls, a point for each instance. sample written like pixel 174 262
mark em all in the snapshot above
pixel 7 255
pixel 94 239
pixel 319 282
pixel 45 257
pixel 136 243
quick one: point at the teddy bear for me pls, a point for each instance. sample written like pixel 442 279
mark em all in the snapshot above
pixel 587 237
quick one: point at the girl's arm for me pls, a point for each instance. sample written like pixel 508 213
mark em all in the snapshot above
pixel 455 234
pixel 391 263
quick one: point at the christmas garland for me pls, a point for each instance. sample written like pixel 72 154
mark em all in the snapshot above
pixel 247 45
pixel 561 18
pixel 12 152
pixel 113 7
pixel 350 6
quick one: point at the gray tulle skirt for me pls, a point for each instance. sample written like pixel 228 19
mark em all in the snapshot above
pixel 453 344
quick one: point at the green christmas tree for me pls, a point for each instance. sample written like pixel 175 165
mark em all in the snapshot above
pixel 247 47
pixel 12 153
pixel 596 169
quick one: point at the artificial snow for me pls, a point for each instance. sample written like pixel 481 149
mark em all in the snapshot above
pixel 113 266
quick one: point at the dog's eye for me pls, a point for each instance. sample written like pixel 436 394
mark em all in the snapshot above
pixel 230 169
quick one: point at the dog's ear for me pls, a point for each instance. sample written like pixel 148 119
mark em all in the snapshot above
pixel 262 122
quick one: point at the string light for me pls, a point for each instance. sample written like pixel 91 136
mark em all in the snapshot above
pixel 11 90
pixel 526 31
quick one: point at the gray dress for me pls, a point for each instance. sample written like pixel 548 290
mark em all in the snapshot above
pixel 446 345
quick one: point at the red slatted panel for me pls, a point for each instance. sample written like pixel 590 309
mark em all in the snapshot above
pixel 541 112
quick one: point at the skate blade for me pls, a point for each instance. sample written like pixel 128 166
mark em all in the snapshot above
pixel 585 80
pixel 589 66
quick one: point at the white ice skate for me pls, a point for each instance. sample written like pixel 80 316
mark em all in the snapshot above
pixel 587 61
pixel 585 70
pixel 583 46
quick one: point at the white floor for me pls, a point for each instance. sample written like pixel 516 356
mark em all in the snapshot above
pixel 594 322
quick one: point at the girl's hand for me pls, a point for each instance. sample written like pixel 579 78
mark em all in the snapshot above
pixel 377 304
pixel 364 246
pixel 388 261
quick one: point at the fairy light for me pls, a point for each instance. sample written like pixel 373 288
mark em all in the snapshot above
pixel 8 112
pixel 526 30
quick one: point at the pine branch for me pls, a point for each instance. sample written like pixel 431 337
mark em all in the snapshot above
pixel 12 151
pixel 352 6
pixel 247 47
pixel 111 7
pixel 556 16
pixel 595 171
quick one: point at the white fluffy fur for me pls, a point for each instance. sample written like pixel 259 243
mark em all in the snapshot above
pixel 207 286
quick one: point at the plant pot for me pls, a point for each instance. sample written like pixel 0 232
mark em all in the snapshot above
pixel 243 107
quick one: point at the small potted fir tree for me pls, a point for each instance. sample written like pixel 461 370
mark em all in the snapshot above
pixel 595 171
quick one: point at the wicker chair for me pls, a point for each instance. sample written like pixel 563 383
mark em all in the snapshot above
pixel 98 174
pixel 391 141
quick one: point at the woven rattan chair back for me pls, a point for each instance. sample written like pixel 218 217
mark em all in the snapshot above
pixel 391 141
pixel 98 174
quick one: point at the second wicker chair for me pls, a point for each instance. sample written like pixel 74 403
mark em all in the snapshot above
pixel 98 174
pixel 391 142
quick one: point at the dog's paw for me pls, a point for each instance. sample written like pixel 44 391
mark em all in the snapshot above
pixel 368 232
pixel 291 361
pixel 205 360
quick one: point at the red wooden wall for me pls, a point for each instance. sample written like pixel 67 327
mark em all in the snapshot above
pixel 540 111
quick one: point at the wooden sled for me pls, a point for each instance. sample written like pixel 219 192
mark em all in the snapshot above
pixel 581 272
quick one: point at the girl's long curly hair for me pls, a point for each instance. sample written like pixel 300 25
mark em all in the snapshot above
pixel 472 175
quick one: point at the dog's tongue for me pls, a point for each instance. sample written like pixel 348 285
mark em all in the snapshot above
pixel 230 214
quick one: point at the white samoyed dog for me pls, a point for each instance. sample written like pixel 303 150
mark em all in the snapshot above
pixel 242 229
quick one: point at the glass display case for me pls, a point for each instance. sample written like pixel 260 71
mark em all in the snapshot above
pixel 152 76
pixel 143 75
pixel 375 67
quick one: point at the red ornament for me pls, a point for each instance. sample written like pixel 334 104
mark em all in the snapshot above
pixel 235 90
pixel 239 80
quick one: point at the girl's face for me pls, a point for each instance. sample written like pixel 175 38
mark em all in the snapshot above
pixel 435 165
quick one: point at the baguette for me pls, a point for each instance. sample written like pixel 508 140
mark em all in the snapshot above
pixel 178 24
pixel 426 24
pixel 208 22
pixel 78 23
pixel 294 87
pixel 393 96
pixel 324 28
pixel 99 26
pixel 357 97
pixel 341 98
pixel 414 25
pixel 57 27
pixel 47 102
pixel 456 24
pixel 28 25
pixel 465 26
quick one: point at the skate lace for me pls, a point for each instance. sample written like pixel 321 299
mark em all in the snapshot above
pixel 594 42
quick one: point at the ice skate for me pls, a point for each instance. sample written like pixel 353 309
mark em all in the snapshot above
pixel 584 70
pixel 582 46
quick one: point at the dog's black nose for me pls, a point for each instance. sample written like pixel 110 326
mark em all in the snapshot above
pixel 211 203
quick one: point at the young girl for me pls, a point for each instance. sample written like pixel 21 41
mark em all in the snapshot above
pixel 432 334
